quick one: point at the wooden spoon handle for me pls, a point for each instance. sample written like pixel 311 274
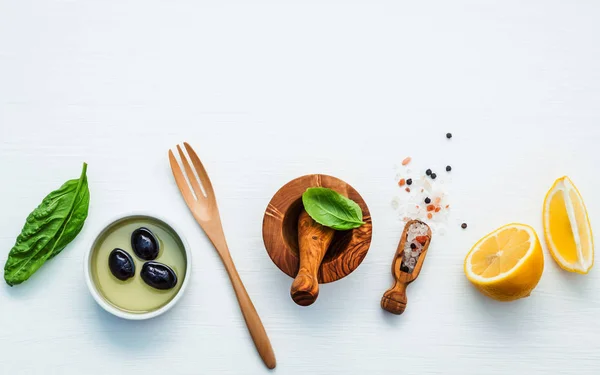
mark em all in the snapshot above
pixel 253 322
pixel 394 299
pixel 314 240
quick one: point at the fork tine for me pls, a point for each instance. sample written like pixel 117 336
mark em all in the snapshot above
pixel 200 170
pixel 180 180
pixel 191 175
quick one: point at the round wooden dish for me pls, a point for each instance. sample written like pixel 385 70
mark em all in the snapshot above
pixel 280 234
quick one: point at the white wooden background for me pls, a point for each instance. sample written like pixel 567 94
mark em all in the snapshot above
pixel 273 90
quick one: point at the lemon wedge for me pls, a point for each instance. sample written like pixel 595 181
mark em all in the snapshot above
pixel 567 227
pixel 506 264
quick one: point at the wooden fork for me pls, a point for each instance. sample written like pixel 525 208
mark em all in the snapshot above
pixel 203 204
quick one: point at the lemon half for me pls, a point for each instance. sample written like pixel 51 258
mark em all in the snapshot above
pixel 506 264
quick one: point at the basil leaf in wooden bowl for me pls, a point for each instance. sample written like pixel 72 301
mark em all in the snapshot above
pixel 331 209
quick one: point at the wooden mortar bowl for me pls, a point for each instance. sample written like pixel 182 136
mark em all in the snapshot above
pixel 280 230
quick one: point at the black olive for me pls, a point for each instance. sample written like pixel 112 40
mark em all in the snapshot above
pixel 158 275
pixel 144 244
pixel 121 264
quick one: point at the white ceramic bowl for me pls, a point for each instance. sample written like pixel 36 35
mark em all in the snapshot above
pixel 115 310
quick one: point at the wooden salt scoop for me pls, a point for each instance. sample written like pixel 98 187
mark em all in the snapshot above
pixel 394 299
pixel 314 240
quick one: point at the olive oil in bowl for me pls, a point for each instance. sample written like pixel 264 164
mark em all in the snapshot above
pixel 134 295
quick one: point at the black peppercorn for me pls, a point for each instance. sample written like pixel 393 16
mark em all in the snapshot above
pixel 413 246
pixel 427 200
pixel 448 168
pixel 428 172
pixel 433 176
pixel 448 135
pixel 463 225
pixel 409 181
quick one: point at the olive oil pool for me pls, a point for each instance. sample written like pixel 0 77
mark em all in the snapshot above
pixel 138 264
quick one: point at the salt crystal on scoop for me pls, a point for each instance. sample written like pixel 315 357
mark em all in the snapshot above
pixel 411 255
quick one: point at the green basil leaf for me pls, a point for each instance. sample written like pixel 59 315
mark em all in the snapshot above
pixel 331 209
pixel 48 229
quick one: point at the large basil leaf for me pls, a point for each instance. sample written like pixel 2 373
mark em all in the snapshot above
pixel 331 209
pixel 48 229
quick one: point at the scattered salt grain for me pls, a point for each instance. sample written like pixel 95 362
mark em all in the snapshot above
pixel 418 186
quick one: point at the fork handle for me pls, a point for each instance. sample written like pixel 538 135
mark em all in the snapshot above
pixel 253 322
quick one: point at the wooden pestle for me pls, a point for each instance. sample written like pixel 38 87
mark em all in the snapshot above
pixel 394 299
pixel 314 240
